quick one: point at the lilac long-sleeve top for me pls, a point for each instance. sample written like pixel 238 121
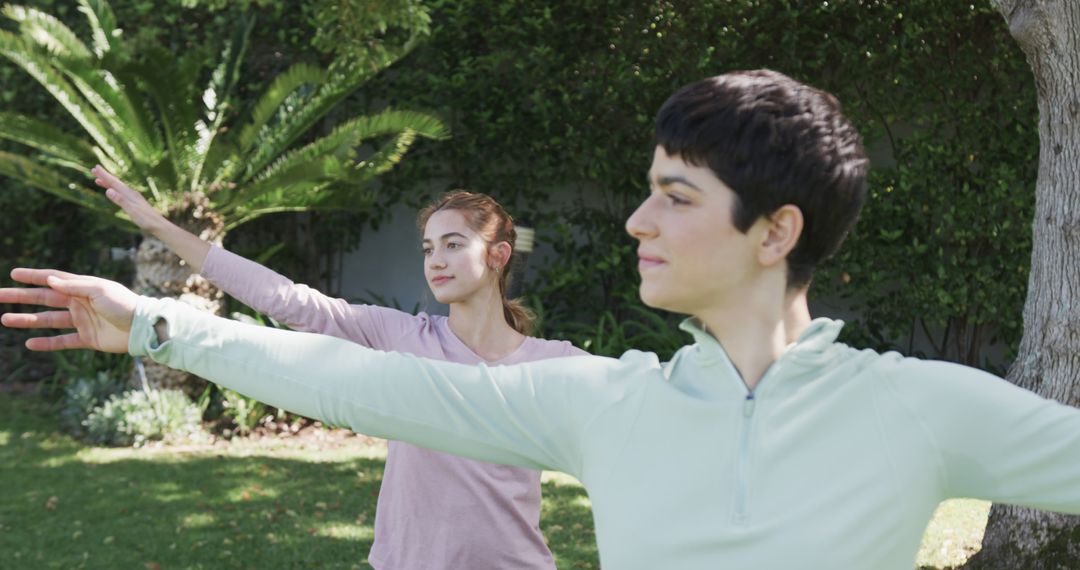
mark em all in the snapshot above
pixel 435 510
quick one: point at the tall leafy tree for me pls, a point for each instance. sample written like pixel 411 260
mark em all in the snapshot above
pixel 167 124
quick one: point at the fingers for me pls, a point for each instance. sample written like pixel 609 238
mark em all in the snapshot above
pixel 46 320
pixel 38 276
pixel 105 179
pixel 76 285
pixel 115 190
pixel 51 343
pixel 49 319
pixel 43 297
pixel 130 201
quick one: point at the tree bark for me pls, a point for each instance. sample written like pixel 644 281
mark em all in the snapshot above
pixel 161 273
pixel 1048 363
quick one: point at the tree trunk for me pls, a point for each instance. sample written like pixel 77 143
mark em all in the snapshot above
pixel 1049 360
pixel 161 273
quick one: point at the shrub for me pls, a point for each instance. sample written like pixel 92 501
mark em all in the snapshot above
pixel 136 417
pixel 82 396
pixel 245 412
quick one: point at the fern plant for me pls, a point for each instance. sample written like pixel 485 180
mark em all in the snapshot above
pixel 167 124
pixel 151 122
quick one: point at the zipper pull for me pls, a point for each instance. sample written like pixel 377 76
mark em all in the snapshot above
pixel 748 405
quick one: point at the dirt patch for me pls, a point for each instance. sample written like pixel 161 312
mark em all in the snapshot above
pixel 307 431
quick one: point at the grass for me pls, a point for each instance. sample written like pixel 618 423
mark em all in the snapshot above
pixel 263 504
pixel 954 534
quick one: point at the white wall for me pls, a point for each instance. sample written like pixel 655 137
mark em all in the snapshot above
pixel 388 263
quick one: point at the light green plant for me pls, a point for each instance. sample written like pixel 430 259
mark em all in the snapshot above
pixel 136 417
pixel 247 413
pixel 82 395
pixel 641 328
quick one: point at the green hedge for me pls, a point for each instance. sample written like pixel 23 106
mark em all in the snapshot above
pixel 555 95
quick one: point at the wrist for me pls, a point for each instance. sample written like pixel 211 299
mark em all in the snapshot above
pixel 159 228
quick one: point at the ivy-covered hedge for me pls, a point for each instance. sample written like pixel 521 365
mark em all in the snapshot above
pixel 556 95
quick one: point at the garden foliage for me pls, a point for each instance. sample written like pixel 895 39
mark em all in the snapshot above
pixel 82 396
pixel 159 102
pixel 551 107
pixel 137 417
pixel 99 409
pixel 167 123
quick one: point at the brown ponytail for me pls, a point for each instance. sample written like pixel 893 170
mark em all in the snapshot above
pixel 486 217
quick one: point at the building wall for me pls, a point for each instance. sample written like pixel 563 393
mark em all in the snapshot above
pixel 387 266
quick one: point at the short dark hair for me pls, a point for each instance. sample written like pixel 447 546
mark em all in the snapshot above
pixel 773 141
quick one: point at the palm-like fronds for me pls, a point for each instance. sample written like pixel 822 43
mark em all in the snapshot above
pixel 40 67
pixel 147 119
pixel 44 178
pixel 68 150
pixel 391 153
pixel 103 28
pixel 48 32
pixel 283 86
pixel 216 99
pixel 171 93
pixel 75 60
pixel 342 79
pixel 110 99
pixel 333 158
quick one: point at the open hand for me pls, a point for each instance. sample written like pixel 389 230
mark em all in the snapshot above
pixel 99 310
pixel 131 201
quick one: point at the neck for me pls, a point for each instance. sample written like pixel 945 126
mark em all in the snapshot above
pixel 755 331
pixel 479 322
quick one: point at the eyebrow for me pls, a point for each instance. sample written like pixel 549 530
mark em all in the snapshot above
pixel 447 236
pixel 669 180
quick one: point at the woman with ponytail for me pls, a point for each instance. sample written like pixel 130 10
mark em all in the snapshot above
pixel 435 510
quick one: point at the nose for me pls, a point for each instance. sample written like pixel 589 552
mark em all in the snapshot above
pixel 640 225
pixel 435 261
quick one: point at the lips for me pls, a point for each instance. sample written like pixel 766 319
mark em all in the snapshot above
pixel 646 261
pixel 440 279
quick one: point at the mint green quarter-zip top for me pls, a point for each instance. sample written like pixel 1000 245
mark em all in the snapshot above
pixel 837 459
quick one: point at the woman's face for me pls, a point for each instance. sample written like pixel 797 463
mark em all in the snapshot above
pixel 456 260
pixel 690 255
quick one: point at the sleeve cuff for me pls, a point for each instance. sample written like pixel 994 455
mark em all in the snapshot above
pixel 143 339
pixel 209 265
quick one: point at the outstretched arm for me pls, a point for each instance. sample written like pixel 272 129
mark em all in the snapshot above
pixel 997 442
pixel 533 415
pixel 187 245
pixel 301 307
pixel 257 286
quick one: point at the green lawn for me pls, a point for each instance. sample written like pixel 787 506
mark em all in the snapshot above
pixel 273 503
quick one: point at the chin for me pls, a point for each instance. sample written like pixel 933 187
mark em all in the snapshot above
pixel 664 300
pixel 442 296
pixel 651 297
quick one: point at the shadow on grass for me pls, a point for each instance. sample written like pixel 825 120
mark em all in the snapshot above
pixel 66 505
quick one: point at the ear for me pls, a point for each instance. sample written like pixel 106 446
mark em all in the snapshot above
pixel 781 234
pixel 499 255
